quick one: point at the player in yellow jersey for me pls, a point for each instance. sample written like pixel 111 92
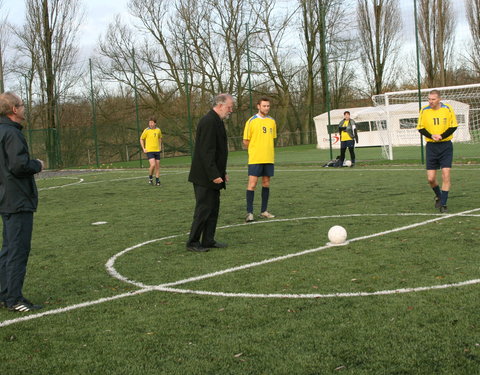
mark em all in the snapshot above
pixel 258 136
pixel 151 142
pixel 348 135
pixel 437 123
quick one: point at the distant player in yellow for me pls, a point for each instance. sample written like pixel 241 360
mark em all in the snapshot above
pixel 437 123
pixel 151 142
pixel 258 136
pixel 348 135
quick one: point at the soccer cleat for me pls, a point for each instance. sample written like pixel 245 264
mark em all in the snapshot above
pixel 24 306
pixel 157 183
pixel 438 204
pixel 249 217
pixel 443 209
pixel 150 182
pixel 266 215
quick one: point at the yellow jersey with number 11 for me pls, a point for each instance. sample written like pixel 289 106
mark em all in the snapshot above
pixel 437 121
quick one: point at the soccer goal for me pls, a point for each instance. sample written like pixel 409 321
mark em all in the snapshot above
pixel 400 115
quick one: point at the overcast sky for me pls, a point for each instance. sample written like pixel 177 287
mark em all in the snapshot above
pixel 99 13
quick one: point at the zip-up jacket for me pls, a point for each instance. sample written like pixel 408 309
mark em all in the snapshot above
pixel 18 191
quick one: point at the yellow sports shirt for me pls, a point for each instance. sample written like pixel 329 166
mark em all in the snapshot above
pixel 437 121
pixel 152 139
pixel 345 135
pixel 260 131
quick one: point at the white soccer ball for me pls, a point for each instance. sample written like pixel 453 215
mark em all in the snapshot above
pixel 348 163
pixel 337 234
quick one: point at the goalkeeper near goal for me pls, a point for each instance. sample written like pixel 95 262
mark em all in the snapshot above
pixel 437 123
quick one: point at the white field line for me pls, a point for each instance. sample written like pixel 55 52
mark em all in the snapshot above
pixel 288 256
pixel 166 287
pixel 72 307
pixel 79 181
pixel 314 296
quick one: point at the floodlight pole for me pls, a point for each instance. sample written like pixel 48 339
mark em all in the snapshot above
pixel 187 94
pixel 137 119
pixel 249 69
pixel 418 75
pixel 323 39
pixel 94 115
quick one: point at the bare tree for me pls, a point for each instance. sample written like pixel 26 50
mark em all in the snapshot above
pixel 48 43
pixel 272 58
pixel 379 30
pixel 436 28
pixel 328 56
pixel 473 17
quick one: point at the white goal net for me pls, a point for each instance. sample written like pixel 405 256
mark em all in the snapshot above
pixel 400 115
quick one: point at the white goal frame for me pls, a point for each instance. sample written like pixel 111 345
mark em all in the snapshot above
pixel 401 131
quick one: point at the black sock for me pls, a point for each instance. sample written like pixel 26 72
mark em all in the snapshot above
pixel 250 197
pixel 444 197
pixel 265 196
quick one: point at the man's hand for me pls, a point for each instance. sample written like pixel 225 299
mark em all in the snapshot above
pixel 436 137
pixel 218 180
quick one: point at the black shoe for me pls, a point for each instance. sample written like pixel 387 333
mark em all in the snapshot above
pixel 443 209
pixel 150 182
pixel 438 204
pixel 217 245
pixel 157 183
pixel 197 248
pixel 24 306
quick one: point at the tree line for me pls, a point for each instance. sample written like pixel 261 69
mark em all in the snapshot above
pixel 307 55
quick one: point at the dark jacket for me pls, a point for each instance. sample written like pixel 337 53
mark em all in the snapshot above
pixel 351 129
pixel 211 152
pixel 18 191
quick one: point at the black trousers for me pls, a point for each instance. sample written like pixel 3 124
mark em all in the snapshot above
pixel 343 148
pixel 16 245
pixel 205 216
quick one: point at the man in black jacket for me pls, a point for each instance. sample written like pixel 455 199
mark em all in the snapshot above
pixel 18 202
pixel 208 174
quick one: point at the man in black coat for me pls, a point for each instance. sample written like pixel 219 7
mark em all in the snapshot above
pixel 208 173
pixel 18 202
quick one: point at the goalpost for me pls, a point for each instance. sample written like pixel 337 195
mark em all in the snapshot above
pixel 400 115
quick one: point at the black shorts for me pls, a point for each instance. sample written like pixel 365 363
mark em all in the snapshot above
pixel 258 170
pixel 347 144
pixel 439 155
pixel 153 155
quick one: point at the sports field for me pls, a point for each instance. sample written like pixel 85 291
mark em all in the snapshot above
pixel 123 296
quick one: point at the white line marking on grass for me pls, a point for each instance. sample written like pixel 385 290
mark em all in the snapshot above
pixel 167 286
pixel 80 180
pixel 309 296
pixel 72 307
pixel 111 269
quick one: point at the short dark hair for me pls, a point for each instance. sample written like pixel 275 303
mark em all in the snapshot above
pixel 344 113
pixel 263 99
pixel 154 119
pixel 435 92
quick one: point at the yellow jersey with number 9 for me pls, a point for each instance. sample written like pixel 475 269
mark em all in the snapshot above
pixel 260 131
pixel 437 121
